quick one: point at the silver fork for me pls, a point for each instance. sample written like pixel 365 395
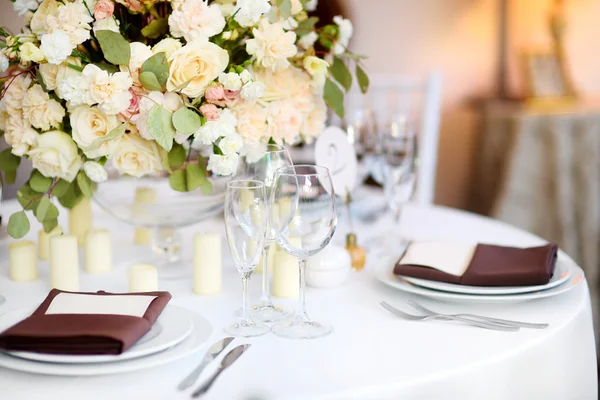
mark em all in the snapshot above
pixel 480 324
pixel 480 317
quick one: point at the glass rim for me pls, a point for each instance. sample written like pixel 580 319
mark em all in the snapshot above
pixel 245 184
pixel 281 170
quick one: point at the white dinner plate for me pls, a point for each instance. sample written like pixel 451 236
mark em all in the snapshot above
pixel 201 332
pixel 562 273
pixel 384 273
pixel 172 326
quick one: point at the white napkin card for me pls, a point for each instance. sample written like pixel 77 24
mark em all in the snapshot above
pixel 451 258
pixel 73 303
pixel 332 150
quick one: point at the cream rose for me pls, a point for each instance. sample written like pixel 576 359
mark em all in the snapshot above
pixel 137 156
pixel 40 110
pixel 198 63
pixel 56 156
pixel 88 124
pixel 167 46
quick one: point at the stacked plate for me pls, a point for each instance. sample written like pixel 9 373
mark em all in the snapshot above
pixel 566 276
pixel 177 333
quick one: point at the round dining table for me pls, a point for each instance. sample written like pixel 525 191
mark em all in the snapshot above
pixel 371 354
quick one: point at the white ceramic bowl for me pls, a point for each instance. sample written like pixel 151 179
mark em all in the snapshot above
pixel 330 268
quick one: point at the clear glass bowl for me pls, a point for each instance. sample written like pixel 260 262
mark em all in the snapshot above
pixel 166 211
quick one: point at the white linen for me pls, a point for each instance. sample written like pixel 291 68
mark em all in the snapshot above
pixel 370 355
pixel 449 257
pixel 74 303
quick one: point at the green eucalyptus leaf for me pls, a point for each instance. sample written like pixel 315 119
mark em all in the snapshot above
pixel 60 188
pixel 334 97
pixel 149 81
pixel 111 69
pixel 39 182
pixel 353 56
pixel 186 121
pixel 306 26
pixel 114 134
pixel 285 7
pixel 27 197
pixel 10 177
pixel 18 225
pixel 206 187
pixel 50 224
pixel 8 161
pixel 178 181
pixel 156 28
pixel 42 209
pixel 114 47
pixel 160 126
pixel 362 78
pixel 52 212
pixel 195 176
pixel 85 184
pixel 176 156
pixel 72 196
pixel 159 66
pixel 341 73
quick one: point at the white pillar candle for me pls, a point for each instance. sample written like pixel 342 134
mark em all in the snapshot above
pixel 23 261
pixel 143 278
pixel 44 242
pixel 286 274
pixel 98 251
pixel 64 263
pixel 246 199
pixel 80 220
pixel 207 263
pixel 143 196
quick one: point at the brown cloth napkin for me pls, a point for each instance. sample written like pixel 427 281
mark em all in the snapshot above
pixel 81 334
pixel 494 266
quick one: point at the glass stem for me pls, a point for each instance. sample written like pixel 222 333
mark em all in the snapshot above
pixel 265 298
pixel 246 298
pixel 302 305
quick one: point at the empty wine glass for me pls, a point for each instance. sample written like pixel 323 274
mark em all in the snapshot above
pixel 245 224
pixel 261 166
pixel 304 225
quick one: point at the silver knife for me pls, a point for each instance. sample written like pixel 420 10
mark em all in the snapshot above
pixel 211 354
pixel 226 362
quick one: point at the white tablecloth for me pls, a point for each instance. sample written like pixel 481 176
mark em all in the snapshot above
pixel 370 355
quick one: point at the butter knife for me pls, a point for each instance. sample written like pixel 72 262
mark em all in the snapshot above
pixel 226 362
pixel 211 354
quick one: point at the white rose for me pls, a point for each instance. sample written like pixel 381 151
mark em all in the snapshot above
pixel 56 156
pixel 195 19
pixel 311 5
pixel 41 111
pixel 74 19
pixel 198 63
pixel 4 62
pixel 167 46
pixel 24 6
pixel 56 47
pixel 212 130
pixel 106 24
pixel 30 52
pixel 231 144
pixel 110 91
pixel 284 120
pixel 137 156
pixel 88 124
pixel 272 46
pixel 253 91
pixel 345 33
pixel 39 22
pixel 139 54
pixel 251 121
pixel 223 165
pixel 19 134
pixel 308 40
pixel 245 76
pixel 230 81
pixel 95 171
pixel 250 11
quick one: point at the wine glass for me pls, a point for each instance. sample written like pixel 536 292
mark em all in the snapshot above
pixel 361 128
pixel 245 224
pixel 303 227
pixel 261 166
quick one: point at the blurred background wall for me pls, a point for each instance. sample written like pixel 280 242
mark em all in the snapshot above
pixel 458 37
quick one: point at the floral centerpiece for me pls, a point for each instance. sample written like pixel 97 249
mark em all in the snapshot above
pixel 182 87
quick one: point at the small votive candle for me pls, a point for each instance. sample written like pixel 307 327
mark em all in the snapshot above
pixel 98 251
pixel 143 278
pixel 64 263
pixel 44 242
pixel 143 195
pixel 207 263
pixel 23 261
pixel 286 274
pixel 80 220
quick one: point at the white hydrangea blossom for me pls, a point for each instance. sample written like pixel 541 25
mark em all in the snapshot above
pixel 223 165
pixel 212 130
pixel 249 12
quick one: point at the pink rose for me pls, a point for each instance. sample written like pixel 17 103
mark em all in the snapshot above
pixel 215 94
pixel 135 5
pixel 104 9
pixel 134 103
pixel 210 112
pixel 231 96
